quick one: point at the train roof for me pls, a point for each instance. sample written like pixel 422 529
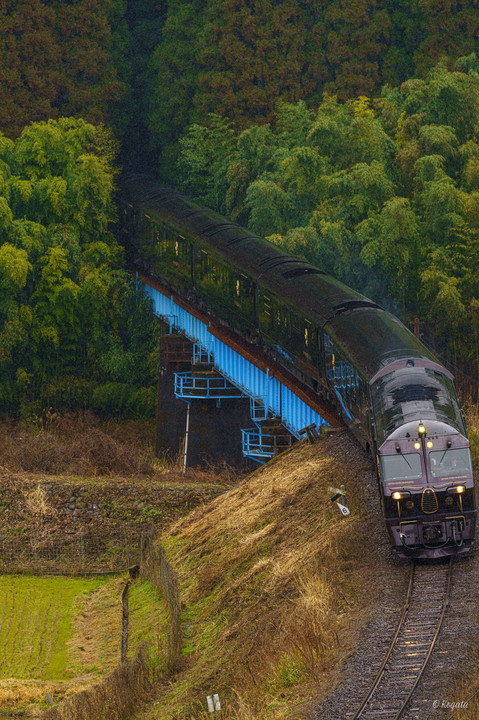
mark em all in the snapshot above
pixel 372 338
pixel 369 336
pixel 298 281
pixel 415 391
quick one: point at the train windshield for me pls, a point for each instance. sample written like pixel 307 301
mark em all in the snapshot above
pixel 447 463
pixel 401 467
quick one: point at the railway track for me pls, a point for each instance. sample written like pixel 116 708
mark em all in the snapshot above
pixel 406 659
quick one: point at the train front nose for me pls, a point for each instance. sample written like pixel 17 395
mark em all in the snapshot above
pixel 444 535
pixel 428 492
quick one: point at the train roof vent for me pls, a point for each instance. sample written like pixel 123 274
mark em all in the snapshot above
pixel 409 393
pixel 272 259
pixel 286 261
pixel 348 305
pixel 242 238
pixel 191 212
pixel 297 272
pixel 170 197
pixel 162 192
pixel 211 230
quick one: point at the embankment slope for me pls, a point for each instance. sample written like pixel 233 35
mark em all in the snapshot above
pixel 276 585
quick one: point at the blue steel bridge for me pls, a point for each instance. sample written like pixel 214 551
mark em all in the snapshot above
pixel 280 413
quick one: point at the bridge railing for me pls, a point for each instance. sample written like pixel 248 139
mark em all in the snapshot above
pixel 257 444
pixel 189 385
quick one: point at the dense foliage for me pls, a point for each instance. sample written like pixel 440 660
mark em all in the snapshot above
pixel 73 331
pixel 238 59
pixel 61 58
pixel 383 194
pixel 327 125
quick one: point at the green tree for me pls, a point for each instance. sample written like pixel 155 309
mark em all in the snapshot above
pixel 66 305
pixel 205 155
pixel 145 19
pixel 356 36
pixel 451 28
pixel 175 65
pixel 391 241
pixel 253 54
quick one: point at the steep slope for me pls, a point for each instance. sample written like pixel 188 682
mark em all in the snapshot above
pixel 276 583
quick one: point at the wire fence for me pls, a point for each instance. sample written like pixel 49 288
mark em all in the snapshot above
pixel 70 553
pixel 156 568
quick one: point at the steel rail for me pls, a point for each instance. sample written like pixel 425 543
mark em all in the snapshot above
pixel 433 642
pixel 380 672
pixel 377 680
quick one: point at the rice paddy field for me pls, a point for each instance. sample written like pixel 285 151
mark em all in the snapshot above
pixel 36 620
pixel 60 634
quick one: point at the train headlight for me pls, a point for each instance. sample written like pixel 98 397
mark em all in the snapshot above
pixel 429 444
pixel 456 489
pixel 449 500
pixel 417 446
pixel 397 496
pixel 410 505
pixel 421 431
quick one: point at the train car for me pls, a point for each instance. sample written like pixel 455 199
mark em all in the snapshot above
pixel 350 354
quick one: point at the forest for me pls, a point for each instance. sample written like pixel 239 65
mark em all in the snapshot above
pixel 346 132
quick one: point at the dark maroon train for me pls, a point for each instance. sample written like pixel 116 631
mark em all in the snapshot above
pixel 390 390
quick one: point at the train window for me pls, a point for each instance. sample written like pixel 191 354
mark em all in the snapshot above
pixel 350 388
pixel 214 277
pixel 244 286
pixel 342 374
pixel 169 252
pixel 230 293
pixel 244 300
pixel 401 467
pixel 450 463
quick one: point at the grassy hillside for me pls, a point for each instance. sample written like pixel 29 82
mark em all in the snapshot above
pixel 276 584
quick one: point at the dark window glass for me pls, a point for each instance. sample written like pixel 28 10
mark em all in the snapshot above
pixel 448 463
pixel 169 253
pixel 401 467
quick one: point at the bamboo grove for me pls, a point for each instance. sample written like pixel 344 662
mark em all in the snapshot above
pixel 345 131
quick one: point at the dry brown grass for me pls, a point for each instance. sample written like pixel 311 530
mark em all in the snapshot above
pixel 274 580
pixel 76 445
pixel 81 444
pixel 95 641
pixel 20 693
pixel 116 697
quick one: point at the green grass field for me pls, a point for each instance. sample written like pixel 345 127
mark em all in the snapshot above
pixel 61 634
pixel 36 621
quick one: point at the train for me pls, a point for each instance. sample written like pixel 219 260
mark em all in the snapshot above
pixel 348 355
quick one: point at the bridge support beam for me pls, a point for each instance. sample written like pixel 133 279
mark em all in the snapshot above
pixel 232 364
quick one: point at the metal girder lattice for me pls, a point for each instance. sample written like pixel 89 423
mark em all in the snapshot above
pixel 261 446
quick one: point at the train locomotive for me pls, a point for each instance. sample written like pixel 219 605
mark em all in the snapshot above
pixel 349 356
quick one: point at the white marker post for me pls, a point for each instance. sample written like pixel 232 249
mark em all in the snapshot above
pixel 340 493
pixel 214 705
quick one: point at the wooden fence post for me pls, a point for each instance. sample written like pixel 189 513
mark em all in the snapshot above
pixel 124 622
